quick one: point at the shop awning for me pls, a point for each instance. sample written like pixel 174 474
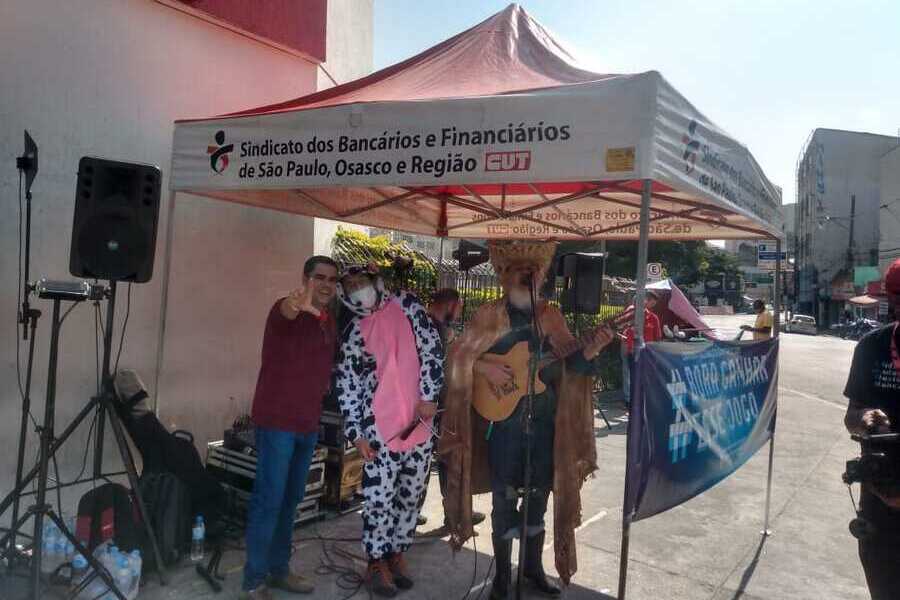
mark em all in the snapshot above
pixel 864 301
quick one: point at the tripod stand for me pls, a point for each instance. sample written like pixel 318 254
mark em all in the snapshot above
pixel 104 403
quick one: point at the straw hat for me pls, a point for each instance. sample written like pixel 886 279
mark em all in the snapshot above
pixel 505 253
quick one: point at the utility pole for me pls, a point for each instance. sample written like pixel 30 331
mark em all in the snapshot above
pixel 851 250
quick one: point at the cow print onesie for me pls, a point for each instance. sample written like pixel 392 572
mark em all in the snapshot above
pixel 393 481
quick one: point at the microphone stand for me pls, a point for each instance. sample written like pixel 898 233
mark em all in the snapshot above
pixel 28 318
pixel 528 418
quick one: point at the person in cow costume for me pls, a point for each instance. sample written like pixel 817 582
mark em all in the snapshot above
pixel 389 375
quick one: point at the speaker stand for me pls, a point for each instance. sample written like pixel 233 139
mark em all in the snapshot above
pixel 49 447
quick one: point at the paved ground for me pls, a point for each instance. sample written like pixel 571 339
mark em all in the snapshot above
pixel 709 548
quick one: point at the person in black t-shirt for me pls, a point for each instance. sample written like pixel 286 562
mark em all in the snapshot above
pixel 873 389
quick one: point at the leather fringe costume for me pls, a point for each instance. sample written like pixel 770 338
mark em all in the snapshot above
pixel 463 445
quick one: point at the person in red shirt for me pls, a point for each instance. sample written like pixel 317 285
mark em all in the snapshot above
pixel 297 359
pixel 652 333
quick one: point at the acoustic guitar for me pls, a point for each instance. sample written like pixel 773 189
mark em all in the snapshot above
pixel 496 403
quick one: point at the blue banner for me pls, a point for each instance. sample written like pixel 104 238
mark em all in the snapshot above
pixel 700 410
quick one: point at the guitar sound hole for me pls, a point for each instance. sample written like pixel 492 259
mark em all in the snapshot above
pixel 504 390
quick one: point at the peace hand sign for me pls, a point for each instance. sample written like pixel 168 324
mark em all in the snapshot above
pixel 299 300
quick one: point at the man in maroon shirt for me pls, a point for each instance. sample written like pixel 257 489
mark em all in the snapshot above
pixel 297 358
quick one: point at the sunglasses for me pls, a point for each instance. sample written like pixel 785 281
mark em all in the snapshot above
pixel 356 270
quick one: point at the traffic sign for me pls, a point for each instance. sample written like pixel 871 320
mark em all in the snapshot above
pixel 654 271
pixel 767 254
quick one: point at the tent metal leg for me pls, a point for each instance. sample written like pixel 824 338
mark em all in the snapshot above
pixel 766 532
pixel 641 275
pixel 777 292
pixel 640 294
pixel 776 332
pixel 166 275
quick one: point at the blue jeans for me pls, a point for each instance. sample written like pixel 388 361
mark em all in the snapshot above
pixel 282 468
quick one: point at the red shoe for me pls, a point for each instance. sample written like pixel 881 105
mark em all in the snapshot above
pixel 400 571
pixel 380 579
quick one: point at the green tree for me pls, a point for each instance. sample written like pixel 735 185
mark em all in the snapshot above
pixel 686 263
pixel 350 246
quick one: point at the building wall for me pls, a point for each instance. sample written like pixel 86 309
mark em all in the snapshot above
pixel 296 24
pixel 789 227
pixel 889 245
pixel 109 79
pixel 834 166
pixel 349 43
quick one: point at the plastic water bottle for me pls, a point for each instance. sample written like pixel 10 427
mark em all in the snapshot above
pixel 122 574
pixel 48 552
pixel 111 561
pixel 136 564
pixel 97 589
pixel 198 534
pixel 79 572
pixel 59 552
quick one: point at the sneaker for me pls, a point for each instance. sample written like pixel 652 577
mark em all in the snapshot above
pixel 260 593
pixel 400 571
pixel 380 579
pixel 296 584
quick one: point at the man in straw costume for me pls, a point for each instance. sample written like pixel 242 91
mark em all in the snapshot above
pixel 487 454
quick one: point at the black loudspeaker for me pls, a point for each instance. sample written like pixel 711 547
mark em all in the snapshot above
pixel 470 255
pixel 116 214
pixel 583 273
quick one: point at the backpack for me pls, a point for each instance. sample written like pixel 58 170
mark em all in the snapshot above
pixel 175 452
pixel 108 513
pixel 168 502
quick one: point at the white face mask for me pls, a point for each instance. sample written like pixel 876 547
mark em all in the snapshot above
pixel 365 297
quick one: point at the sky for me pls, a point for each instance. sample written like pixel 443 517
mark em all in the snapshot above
pixel 766 71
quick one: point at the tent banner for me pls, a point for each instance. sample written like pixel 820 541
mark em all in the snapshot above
pixel 701 410
pixel 557 162
pixel 574 133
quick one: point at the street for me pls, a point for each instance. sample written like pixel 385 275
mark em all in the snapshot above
pixel 709 547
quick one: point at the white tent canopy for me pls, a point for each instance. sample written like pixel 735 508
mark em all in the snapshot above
pixel 495 133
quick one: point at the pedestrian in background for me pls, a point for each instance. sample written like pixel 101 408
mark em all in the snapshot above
pixel 652 333
pixel 762 328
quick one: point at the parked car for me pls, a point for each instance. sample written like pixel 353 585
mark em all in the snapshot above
pixel 801 324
